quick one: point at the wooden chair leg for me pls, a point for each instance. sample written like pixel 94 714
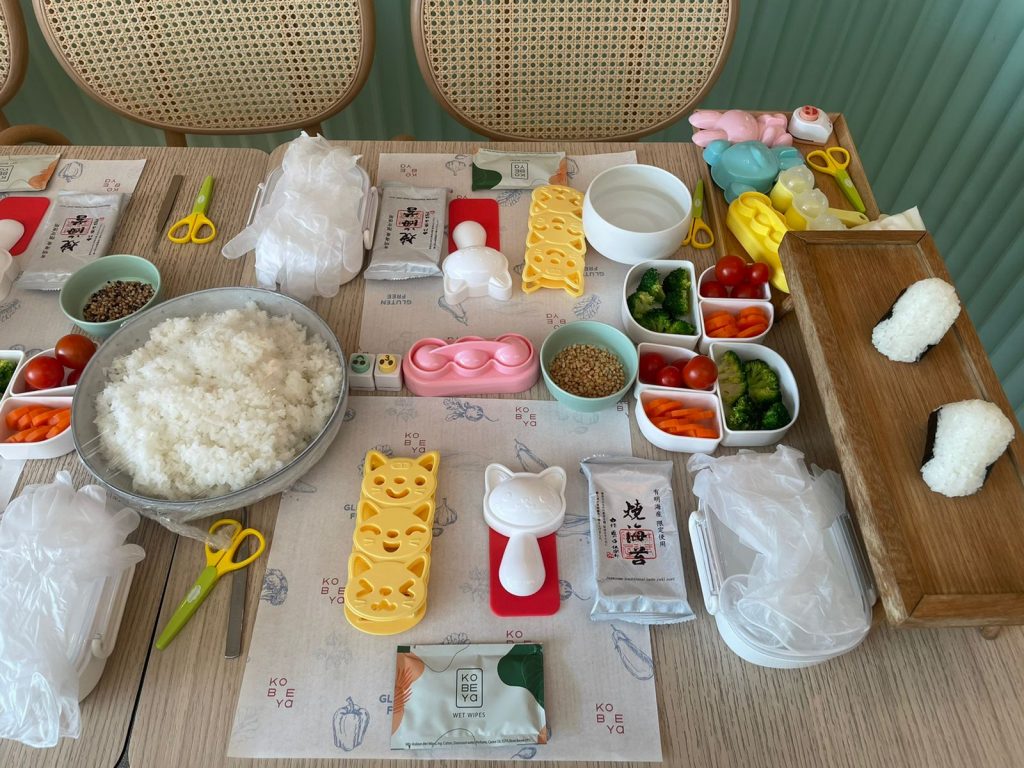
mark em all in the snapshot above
pixel 991 633
pixel 175 139
pixel 314 129
pixel 33 134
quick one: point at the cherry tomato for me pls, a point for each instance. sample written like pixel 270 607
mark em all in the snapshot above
pixel 712 289
pixel 670 376
pixel 729 270
pixel 700 373
pixel 748 291
pixel 43 373
pixel 760 273
pixel 650 364
pixel 73 351
pixel 73 377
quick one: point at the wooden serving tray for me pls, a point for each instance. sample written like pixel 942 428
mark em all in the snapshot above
pixel 937 561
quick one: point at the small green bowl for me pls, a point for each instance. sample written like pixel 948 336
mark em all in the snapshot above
pixel 93 276
pixel 597 335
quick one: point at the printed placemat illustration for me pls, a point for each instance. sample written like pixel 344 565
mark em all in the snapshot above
pixel 398 312
pixel 316 687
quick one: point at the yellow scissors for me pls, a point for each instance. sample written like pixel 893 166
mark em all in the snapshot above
pixel 834 162
pixel 700 235
pixel 218 562
pixel 196 221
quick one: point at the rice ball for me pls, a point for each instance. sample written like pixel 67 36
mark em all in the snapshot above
pixel 964 440
pixel 918 320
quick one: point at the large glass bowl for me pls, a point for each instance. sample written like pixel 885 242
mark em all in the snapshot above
pixel 176 512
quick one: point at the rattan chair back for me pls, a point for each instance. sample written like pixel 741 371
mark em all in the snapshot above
pixel 562 70
pixel 214 66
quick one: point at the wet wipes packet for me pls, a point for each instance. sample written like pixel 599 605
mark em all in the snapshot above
pixel 79 228
pixel 638 560
pixel 484 694
pixel 26 173
pixel 518 170
pixel 410 239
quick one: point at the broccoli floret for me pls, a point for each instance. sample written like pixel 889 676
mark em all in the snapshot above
pixel 650 283
pixel 639 304
pixel 742 416
pixel 677 281
pixel 677 304
pixel 656 320
pixel 775 417
pixel 682 328
pixel 762 383
pixel 6 374
pixel 732 381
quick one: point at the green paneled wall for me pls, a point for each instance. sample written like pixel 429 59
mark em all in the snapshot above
pixel 932 90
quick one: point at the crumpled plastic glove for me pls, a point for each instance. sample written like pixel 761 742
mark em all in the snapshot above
pixel 308 236
pixel 57 545
pixel 796 596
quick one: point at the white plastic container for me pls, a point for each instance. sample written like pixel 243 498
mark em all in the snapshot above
pixel 44 449
pixel 709 274
pixel 671 355
pixel 719 555
pixel 687 398
pixel 733 307
pixel 19 388
pixel 637 332
pixel 787 383
pixel 93 628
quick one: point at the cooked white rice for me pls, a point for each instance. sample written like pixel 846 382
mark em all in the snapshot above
pixel 919 319
pixel 970 435
pixel 211 404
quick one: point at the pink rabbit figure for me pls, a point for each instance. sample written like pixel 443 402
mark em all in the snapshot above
pixel 737 126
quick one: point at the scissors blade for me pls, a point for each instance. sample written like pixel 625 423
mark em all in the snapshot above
pixel 195 597
pixel 236 611
pixel 203 198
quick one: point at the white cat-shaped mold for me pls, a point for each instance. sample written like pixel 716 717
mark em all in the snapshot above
pixel 473 269
pixel 523 506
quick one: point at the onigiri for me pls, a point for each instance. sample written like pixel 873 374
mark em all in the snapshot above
pixel 921 316
pixel 964 440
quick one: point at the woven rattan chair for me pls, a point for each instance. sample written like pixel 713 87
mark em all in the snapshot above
pixel 556 69
pixel 215 66
pixel 13 63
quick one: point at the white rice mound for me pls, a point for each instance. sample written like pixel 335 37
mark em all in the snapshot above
pixel 919 319
pixel 970 435
pixel 213 403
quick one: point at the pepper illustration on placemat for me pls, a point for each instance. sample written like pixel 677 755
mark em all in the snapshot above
pixel 349 725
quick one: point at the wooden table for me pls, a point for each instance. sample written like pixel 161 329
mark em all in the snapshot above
pixel 912 697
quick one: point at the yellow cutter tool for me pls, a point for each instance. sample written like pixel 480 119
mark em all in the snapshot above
pixel 760 229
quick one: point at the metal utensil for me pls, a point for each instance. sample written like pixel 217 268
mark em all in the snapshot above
pixel 236 611
pixel 165 207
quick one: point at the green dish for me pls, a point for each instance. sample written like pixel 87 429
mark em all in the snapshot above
pixel 598 335
pixel 90 278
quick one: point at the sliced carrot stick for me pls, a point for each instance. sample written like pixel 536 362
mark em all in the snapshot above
pixel 56 430
pixel 752 331
pixel 755 312
pixel 17 413
pixel 719 313
pixel 705 432
pixel 726 332
pixel 693 414
pixel 715 322
pixel 662 408
pixel 26 419
pixel 36 434
pixel 43 417
pixel 59 414
pixel 18 437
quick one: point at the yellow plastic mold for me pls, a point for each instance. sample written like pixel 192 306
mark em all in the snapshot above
pixel 400 481
pixel 386 591
pixel 553 266
pixel 554 198
pixel 760 229
pixel 381 628
pixel 393 533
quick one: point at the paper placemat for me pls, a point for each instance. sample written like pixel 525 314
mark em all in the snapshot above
pixel 308 669
pixel 397 313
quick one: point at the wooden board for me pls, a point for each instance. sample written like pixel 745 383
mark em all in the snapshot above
pixel 937 560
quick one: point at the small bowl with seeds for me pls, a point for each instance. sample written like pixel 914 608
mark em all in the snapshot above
pixel 587 365
pixel 106 293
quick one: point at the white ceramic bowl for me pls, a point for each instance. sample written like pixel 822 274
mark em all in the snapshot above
pixel 671 355
pixel 733 307
pixel 687 398
pixel 790 394
pixel 637 332
pixel 634 213
pixel 44 449
pixel 19 388
pixel 709 274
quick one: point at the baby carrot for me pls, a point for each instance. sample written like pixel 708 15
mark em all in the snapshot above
pixel 43 417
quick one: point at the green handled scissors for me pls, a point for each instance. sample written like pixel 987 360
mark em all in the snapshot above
pixel 196 221
pixel 834 161
pixel 218 562
pixel 700 235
